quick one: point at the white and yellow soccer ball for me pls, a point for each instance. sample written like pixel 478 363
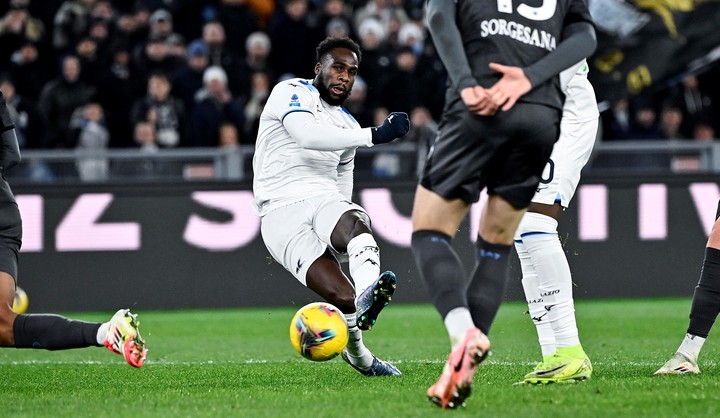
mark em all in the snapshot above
pixel 318 331
pixel 21 301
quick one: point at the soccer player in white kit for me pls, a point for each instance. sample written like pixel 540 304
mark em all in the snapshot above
pixel 303 181
pixel 547 281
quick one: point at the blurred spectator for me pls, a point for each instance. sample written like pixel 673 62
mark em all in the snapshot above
pixel 155 56
pixel 429 68
pixel 616 121
pixel 29 122
pixel 117 91
pixel 692 101
pixel 423 130
pixel 144 136
pixel 72 21
pixel 704 131
pixel 127 31
pixel 100 33
pixel 337 28
pixel 146 166
pixel 92 139
pixel 29 71
pixel 671 119
pixel 335 18
pixel 214 37
pixel 187 80
pixel 214 105
pixel 94 68
pixel 176 49
pixel 357 104
pixel 59 99
pixel 102 11
pixel 239 21
pixel 376 62
pixel 30 128
pixel 294 35
pixel 16 28
pixel 253 108
pixel 644 124
pixel 231 166
pixel 166 112
pixel 258 48
pixel 264 10
pixel 385 12
pixel 404 78
pixel 161 24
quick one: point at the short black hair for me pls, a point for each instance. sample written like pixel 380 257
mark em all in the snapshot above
pixel 331 43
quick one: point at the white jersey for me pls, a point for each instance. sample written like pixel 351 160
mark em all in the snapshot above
pixel 284 171
pixel 580 103
pixel 578 130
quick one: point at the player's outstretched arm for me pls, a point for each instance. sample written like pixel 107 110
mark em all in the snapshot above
pixel 309 134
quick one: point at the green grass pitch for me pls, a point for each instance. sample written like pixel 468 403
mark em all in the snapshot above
pixel 239 363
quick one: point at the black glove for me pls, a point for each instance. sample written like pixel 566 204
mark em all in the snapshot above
pixel 395 125
pixel 9 150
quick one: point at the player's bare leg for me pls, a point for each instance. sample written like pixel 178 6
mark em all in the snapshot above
pixel 326 278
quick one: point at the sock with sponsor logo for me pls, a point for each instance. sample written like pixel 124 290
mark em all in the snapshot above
pixel 536 305
pixel 358 354
pixel 364 261
pixel 554 278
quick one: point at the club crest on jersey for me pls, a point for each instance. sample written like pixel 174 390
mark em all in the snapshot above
pixel 294 101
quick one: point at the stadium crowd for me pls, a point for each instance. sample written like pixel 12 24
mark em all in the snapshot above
pixel 171 73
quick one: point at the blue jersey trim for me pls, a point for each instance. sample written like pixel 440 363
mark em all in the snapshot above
pixel 293 111
pixel 346 162
pixel 308 85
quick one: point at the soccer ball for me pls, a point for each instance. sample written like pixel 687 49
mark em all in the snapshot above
pixel 318 331
pixel 21 301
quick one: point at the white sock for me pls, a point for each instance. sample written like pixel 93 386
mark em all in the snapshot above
pixel 691 346
pixel 358 354
pixel 536 305
pixel 554 278
pixel 457 322
pixel 364 261
pixel 102 333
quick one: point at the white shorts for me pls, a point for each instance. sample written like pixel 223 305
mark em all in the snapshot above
pixel 570 154
pixel 297 234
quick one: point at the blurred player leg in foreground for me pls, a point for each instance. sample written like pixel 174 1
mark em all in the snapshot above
pixel 496 133
pixel 50 332
pixel 704 310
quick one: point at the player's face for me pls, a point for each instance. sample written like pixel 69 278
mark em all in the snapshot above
pixel 335 75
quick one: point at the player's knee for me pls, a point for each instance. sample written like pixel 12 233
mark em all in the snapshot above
pixel 536 223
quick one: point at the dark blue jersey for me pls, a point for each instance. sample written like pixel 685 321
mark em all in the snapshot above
pixel 516 33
